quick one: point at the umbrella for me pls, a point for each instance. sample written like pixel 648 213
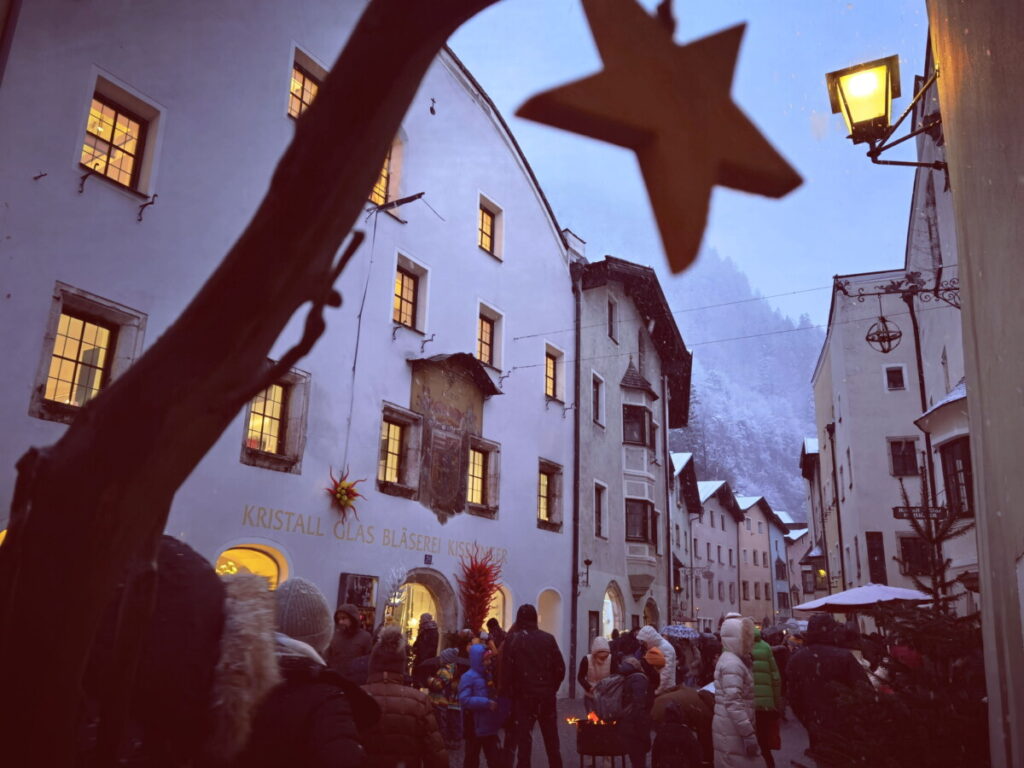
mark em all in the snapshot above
pixel 866 596
pixel 679 631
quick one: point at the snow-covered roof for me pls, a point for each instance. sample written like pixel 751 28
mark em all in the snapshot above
pixel 746 502
pixel 708 488
pixel 784 516
pixel 680 460
pixel 795 535
pixel 959 392
pixel 810 445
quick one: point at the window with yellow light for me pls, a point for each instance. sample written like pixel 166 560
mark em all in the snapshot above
pixel 250 560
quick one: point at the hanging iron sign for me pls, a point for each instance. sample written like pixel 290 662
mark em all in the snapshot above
pixel 920 513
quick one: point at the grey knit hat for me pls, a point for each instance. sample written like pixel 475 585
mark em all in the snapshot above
pixel 302 613
pixel 388 654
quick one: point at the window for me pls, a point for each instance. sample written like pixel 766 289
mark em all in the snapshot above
pixel 696 547
pixel 944 364
pixel 636 425
pixel 783 600
pixel 730 556
pixel 764 558
pixel 490 223
pixel 745 560
pixel 957 476
pixel 554 373
pixel 720 554
pixel 721 521
pixel 266 420
pixel 808 581
pixel 875 545
pixel 613 320
pixel 894 378
pixel 746 590
pixel 79 365
pixel 392 448
pixel 597 399
pixel 275 425
pixel 780 570
pixel 549 495
pixel 485 238
pixel 708 545
pixel 757 590
pixel 914 556
pixel 696 587
pixel 760 527
pixel 746 522
pixel 599 509
pixel 721 591
pixel 260 560
pixel 732 592
pixel 476 484
pixel 849 466
pixel 679 538
pixel 398 456
pixel 406 289
pixel 303 90
pixel 755 557
pixel 485 340
pixel 903 456
pixel 114 142
pixel 641 352
pixel 381 191
pixel 89 341
pixel 711 586
pixel 639 521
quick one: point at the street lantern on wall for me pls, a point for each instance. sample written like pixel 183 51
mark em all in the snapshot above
pixel 863 94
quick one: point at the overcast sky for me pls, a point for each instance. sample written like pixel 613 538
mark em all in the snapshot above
pixel 849 215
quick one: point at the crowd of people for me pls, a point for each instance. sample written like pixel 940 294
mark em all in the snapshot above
pixel 236 675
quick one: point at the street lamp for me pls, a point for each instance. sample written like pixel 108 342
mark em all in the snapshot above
pixel 863 94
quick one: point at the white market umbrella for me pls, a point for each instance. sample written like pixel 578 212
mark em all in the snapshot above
pixel 863 597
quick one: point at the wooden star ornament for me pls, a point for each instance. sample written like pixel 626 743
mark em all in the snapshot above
pixel 671 104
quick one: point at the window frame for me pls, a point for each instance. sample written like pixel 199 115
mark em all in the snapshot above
pixel 496 321
pixel 402 273
pixel 407 486
pixel 141 142
pixel 912 566
pixel 890 442
pixel 482 322
pixel 600 502
pixel 598 404
pixel 485 205
pixel 129 326
pixel 958 482
pixel 557 358
pixel 385 450
pixel 492 477
pixel 645 425
pixel 387 174
pixel 294 423
pixel 902 368
pixel 303 68
pixel 555 475
pixel 613 319
pixel 643 510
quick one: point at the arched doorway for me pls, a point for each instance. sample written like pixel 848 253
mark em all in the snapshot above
pixel 254 558
pixel 549 613
pixel 426 591
pixel 613 616
pixel 499 609
pixel 651 614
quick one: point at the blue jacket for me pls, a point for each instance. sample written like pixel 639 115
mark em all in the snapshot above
pixel 476 697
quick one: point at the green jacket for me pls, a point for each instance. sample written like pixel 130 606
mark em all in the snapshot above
pixel 767 683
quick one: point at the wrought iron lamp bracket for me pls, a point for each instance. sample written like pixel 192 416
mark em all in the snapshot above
pixel 931 122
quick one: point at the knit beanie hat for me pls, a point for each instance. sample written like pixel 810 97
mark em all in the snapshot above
pixel 302 613
pixel 655 657
pixel 388 655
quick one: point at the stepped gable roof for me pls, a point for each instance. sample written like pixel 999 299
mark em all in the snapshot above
pixel 634 380
pixel 468 363
pixel 642 286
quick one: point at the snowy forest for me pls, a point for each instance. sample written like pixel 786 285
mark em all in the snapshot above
pixel 751 397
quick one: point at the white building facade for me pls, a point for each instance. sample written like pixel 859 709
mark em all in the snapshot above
pixel 715 535
pixel 442 380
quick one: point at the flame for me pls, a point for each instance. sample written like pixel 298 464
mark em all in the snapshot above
pixel 591 717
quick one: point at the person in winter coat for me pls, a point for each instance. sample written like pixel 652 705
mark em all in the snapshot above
pixel 350 640
pixel 733 725
pixel 531 672
pixel 407 734
pixel 816 676
pixel 482 715
pixel 675 743
pixel 767 698
pixel 697 708
pixel 651 639
pixel 496 632
pixel 594 667
pixel 423 649
pixel 313 718
pixel 443 692
pixel 636 719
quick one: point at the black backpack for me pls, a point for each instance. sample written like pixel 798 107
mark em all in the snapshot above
pixel 610 698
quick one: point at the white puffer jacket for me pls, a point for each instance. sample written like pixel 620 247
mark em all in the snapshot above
pixel 649 637
pixel 733 726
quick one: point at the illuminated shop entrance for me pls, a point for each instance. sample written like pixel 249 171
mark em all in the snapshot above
pixel 262 561
pixel 416 600
pixel 612 616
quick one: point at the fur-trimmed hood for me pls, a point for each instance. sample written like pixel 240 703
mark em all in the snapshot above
pixel 738 635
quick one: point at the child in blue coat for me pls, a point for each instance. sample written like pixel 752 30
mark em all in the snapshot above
pixel 482 716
